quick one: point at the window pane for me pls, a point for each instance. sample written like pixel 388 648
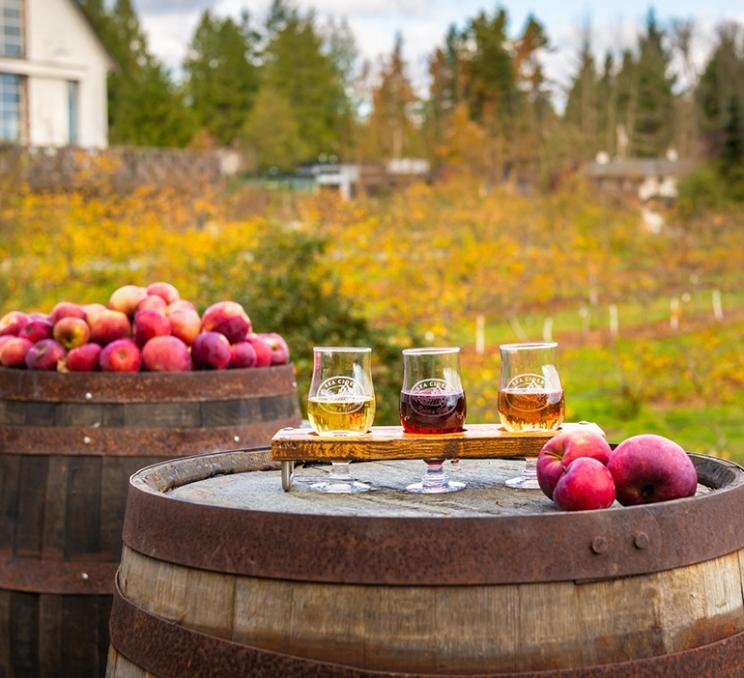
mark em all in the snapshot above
pixel 72 111
pixel 11 28
pixel 10 107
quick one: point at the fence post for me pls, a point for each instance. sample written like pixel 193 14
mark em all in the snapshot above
pixel 480 334
pixel 584 315
pixel 614 321
pixel 717 305
pixel 674 314
pixel 548 329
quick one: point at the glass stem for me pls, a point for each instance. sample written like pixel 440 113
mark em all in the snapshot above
pixel 435 476
pixel 340 471
pixel 530 468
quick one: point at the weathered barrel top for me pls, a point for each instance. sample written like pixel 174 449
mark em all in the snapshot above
pixel 485 495
pixel 227 512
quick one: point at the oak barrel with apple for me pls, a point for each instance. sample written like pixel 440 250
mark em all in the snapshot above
pixel 68 444
pixel 223 574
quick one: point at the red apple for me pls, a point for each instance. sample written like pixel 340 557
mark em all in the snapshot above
pixel 84 358
pixel 262 349
pixel 242 354
pixel 179 305
pixel 149 324
pixel 164 290
pixel 279 348
pixel 11 323
pixel 166 354
pixel 229 318
pixel 211 351
pixel 152 302
pixel 92 311
pixel 44 355
pixel 65 309
pixel 109 326
pixel 4 339
pixel 121 355
pixel 185 325
pixel 585 485
pixel 13 351
pixel 650 468
pixel 126 298
pixel 36 330
pixel 71 332
pixel 563 448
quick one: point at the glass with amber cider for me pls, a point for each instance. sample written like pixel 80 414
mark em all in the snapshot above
pixel 530 396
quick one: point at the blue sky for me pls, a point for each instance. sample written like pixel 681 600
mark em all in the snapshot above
pixel 169 24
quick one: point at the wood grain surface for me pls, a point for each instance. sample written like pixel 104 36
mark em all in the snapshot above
pixel 390 442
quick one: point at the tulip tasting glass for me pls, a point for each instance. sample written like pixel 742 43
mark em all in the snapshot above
pixel 432 401
pixel 530 396
pixel 341 403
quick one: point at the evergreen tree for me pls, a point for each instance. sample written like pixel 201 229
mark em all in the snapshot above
pixel 145 108
pixel 582 103
pixel 221 79
pixel 297 65
pixel 607 106
pixel 653 127
pixel 490 78
pixel 391 125
pixel 733 137
pixel 722 79
pixel 272 132
pixel 445 67
pixel 626 88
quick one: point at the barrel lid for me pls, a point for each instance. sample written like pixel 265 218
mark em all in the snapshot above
pixel 176 512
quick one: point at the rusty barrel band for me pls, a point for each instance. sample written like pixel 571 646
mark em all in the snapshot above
pixel 579 546
pixel 55 576
pixel 145 387
pixel 133 442
pixel 169 650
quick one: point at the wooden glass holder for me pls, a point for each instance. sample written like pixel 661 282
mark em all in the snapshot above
pixel 477 441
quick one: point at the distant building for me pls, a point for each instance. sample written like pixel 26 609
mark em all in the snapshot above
pixel 652 179
pixel 350 179
pixel 53 69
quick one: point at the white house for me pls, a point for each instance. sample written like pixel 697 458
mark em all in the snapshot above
pixel 53 69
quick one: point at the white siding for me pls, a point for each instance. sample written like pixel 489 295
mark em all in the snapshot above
pixel 61 46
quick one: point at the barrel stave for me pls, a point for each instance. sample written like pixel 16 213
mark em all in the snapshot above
pixel 68 444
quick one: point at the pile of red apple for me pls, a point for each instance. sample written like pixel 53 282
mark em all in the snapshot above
pixel 579 471
pixel 148 328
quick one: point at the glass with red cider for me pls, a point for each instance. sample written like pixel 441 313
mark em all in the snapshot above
pixel 432 401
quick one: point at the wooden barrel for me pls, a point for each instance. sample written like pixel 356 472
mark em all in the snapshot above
pixel 223 574
pixel 68 444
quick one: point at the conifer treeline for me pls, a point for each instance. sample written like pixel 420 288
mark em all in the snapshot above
pixel 293 90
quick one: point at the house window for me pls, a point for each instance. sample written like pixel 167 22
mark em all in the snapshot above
pixel 11 107
pixel 11 28
pixel 73 93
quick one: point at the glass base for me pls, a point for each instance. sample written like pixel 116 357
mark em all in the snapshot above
pixel 426 488
pixel 523 483
pixel 340 487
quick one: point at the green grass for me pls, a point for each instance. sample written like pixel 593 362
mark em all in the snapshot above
pixel 631 316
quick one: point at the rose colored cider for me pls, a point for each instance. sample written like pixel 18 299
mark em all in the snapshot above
pixel 432 411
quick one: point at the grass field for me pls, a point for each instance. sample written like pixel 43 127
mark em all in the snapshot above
pixel 686 384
